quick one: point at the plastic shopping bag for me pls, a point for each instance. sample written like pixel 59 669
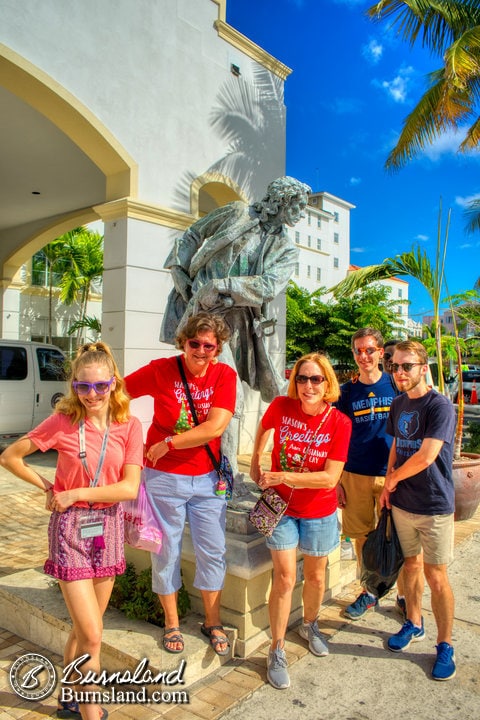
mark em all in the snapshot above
pixel 142 529
pixel 382 557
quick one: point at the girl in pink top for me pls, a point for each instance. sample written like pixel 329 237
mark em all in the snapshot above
pixel 100 455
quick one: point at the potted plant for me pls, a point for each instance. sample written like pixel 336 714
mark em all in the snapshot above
pixel 466 466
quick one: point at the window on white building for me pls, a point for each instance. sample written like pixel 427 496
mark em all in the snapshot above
pixel 400 293
pixel 319 274
pixel 309 241
pixel 319 243
pixel 297 237
pixel 309 218
pixel 309 271
pixel 335 262
pixel 336 216
pixel 319 221
pixel 297 269
pixel 336 238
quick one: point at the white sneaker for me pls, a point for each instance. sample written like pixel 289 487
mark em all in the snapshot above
pixel 277 673
pixel 316 642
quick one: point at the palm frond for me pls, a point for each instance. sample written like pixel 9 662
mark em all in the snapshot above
pixel 472 213
pixel 462 58
pixel 434 113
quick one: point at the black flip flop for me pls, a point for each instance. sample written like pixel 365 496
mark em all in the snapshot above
pixel 176 638
pixel 215 640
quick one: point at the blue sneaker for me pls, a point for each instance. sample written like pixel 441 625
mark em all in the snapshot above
pixel 444 667
pixel 407 634
pixel 364 602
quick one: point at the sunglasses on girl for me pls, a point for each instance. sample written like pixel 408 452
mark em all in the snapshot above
pixel 406 367
pixel 195 344
pixel 99 388
pixel 314 379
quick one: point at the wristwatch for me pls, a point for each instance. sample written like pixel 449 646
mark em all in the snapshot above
pixel 169 443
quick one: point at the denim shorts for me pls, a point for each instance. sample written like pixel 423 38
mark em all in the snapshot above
pixel 313 536
pixel 176 499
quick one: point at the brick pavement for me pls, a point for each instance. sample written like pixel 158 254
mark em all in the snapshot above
pixel 23 540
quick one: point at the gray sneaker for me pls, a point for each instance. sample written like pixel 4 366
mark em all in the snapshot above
pixel 316 642
pixel 277 673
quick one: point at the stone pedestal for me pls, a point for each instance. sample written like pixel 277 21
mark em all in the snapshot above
pixel 247 583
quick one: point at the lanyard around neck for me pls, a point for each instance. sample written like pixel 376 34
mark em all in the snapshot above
pixel 83 453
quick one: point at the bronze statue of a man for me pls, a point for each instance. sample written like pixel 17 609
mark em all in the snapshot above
pixel 233 262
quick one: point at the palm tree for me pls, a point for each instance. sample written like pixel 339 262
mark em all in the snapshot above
pixel 83 253
pixel 53 260
pixel 450 29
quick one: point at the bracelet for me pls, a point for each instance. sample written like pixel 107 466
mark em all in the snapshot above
pixel 168 442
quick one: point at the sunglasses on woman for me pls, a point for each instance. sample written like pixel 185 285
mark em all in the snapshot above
pixel 196 344
pixel 101 387
pixel 314 379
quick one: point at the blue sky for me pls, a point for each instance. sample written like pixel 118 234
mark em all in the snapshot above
pixel 352 85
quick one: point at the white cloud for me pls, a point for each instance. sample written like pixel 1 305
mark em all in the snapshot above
pixel 373 51
pixel 355 181
pixel 466 246
pixel 465 201
pixel 422 238
pixel 358 249
pixel 397 88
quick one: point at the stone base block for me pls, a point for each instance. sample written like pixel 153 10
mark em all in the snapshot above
pixel 247 582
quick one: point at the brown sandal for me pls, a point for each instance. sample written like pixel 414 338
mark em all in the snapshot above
pixel 215 640
pixel 176 638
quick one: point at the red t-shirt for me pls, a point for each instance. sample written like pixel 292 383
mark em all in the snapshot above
pixel 124 447
pixel 171 411
pixel 293 431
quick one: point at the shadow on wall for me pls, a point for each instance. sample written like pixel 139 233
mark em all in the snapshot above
pixel 250 117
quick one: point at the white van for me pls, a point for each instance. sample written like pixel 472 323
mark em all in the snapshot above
pixel 32 379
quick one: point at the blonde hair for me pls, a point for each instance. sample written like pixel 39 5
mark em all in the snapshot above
pixel 332 388
pixel 95 354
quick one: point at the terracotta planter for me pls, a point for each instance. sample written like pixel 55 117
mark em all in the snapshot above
pixel 466 477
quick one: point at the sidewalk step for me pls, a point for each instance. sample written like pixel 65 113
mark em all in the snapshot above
pixel 32 606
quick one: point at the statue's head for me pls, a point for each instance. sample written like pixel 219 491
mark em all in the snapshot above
pixel 284 202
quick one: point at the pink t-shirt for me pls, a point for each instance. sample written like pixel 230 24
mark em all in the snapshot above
pixel 125 447
pixel 161 379
pixel 293 432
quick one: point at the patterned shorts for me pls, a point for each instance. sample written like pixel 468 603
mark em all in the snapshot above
pixel 72 557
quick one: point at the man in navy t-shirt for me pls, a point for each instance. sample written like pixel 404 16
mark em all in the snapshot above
pixel 366 400
pixel 419 489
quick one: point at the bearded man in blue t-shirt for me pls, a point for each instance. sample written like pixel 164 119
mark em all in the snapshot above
pixel 419 488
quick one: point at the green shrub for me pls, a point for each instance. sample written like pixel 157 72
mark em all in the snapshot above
pixel 472 437
pixel 133 595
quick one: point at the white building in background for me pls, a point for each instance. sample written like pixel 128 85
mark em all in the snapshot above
pixel 323 239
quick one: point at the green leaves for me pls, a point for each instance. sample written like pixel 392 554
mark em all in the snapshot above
pixel 328 326
pixel 450 29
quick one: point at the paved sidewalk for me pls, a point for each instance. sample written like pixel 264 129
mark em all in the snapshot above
pixel 360 680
